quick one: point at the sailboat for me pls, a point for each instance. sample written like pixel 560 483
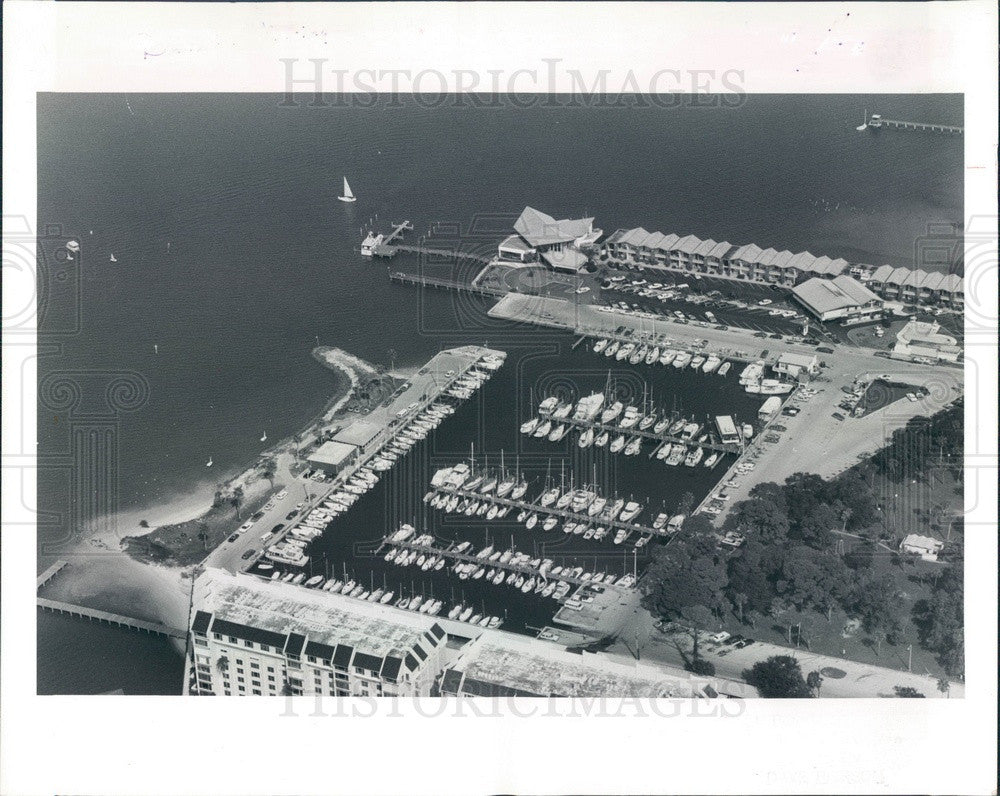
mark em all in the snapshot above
pixel 264 438
pixel 114 259
pixel 348 193
pixel 864 125
pixel 209 463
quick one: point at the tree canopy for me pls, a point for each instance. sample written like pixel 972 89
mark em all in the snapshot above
pixel 778 677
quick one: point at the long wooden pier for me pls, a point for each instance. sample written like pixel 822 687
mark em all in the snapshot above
pixel 449 253
pixel 107 618
pixel 471 558
pixel 50 573
pixel 565 514
pixel 899 124
pixel 445 284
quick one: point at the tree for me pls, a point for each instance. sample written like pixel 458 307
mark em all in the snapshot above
pixel 685 504
pixel 700 618
pixel 815 528
pixel 761 519
pixel 690 571
pixel 143 524
pixel 752 571
pixel 754 617
pixel 236 500
pixel 907 692
pixel 203 534
pixel 779 677
pixel 267 470
pixel 813 579
pixel 768 490
pixel 877 601
pixel 814 680
pixel 944 686
pixel 739 600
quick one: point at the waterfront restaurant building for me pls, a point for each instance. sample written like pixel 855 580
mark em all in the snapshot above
pixel 921 340
pixel 840 297
pixel 255 637
pixel 557 244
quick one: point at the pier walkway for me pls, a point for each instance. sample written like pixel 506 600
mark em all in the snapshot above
pixel 898 124
pixel 456 254
pixel 565 514
pixel 50 573
pixel 445 284
pixel 471 558
pixel 107 618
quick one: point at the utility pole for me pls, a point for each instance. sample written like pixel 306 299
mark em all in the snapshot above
pixel 909 661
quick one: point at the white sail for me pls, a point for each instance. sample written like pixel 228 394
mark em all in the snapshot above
pixel 347 189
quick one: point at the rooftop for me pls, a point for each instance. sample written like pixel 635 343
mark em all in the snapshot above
pixel 323 617
pixel 541 229
pixel 333 453
pixel 491 666
pixel 827 295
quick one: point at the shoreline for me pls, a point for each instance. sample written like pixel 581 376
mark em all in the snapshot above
pixel 104 574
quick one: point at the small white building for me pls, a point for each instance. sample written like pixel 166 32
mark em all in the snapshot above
pixel 920 339
pixel 798 366
pixel 924 546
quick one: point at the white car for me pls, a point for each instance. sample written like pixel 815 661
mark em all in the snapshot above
pixel 582 290
pixel 764 302
pixel 246 526
pixel 282 494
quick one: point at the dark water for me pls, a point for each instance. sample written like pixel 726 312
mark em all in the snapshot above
pixel 234 255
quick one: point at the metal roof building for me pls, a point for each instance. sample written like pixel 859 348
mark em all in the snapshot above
pixel 839 297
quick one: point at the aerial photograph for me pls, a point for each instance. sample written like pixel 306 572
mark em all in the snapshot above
pixel 470 399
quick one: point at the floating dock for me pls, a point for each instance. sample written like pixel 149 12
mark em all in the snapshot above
pixel 876 122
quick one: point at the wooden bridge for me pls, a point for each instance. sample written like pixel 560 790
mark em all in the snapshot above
pixel 472 558
pixel 898 124
pixel 107 618
pixel 445 284
pixel 50 573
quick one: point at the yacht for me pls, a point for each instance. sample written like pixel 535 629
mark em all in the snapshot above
pixel 549 496
pixel 631 510
pixel 682 359
pixel 600 345
pixel 630 418
pixel 601 439
pixel 625 351
pixel 558 432
pixel 529 426
pixel 597 506
pixel 588 408
pixel 586 438
pixel 612 349
pixel 548 406
pixel 711 363
pixel 653 355
pixel 634 446
pixel 618 444
pixel 694 456
pixel 612 412
pixel 661 425
pixel 676 455
pixel 711 460
pixel 724 368
pixel 697 362
pixel 581 499
pixel 543 430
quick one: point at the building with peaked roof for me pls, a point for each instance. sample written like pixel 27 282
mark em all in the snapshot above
pixel 257 637
pixel 557 243
pixel 840 297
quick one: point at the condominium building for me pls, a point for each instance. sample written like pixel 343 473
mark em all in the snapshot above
pixel 255 637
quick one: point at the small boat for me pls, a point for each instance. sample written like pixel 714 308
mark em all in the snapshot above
pixel 586 438
pixel 348 195
pixel 724 368
pixel 543 430
pixel 682 359
pixel 558 433
pixel 531 522
pixel 661 425
pixel 569 527
pixel 711 460
pixel 631 509
pixel 530 426
pixel 634 446
pixel 314 581
pixel 464 616
pixel 694 456
pixel 661 520
pixel 548 406
pixel 653 355
pixel 711 364
pixel 601 439
pixel 550 523
pixel 454 612
pixel 612 349
pixel 618 444
pixel 697 362
pixel 667 356
pixel 600 345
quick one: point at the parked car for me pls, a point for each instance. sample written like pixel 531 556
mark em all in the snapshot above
pixel 281 494
pixel 824 349
pixel 291 515
pixel 234 537
pixel 790 411
pixel 248 553
pixel 280 526
pixel 837 416
pixel 257 515
pixel 246 526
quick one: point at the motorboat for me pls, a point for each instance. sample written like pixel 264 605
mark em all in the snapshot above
pixel 711 460
pixel 601 439
pixel 618 444
pixel 631 510
pixel 597 506
pixel 694 456
pixel 586 438
pixel 633 447
pixel 630 418
pixel 548 406
pixel 600 345
pixel 530 426
pixel 543 430
pixel 612 412
pixel 612 349
pixel 550 523
pixel 558 432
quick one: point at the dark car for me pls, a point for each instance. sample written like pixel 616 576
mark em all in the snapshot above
pixel 291 515
pixel 837 416
pixel 775 336
pixel 257 516
pixel 248 553
pixel 760 334
pixel 791 411
pixel 277 527
pixel 745 643
pixel 234 537
pixel 722 328
pixel 732 640
pixel 776 427
pixel 825 349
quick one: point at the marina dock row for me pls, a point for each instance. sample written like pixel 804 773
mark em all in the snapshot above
pixel 565 514
pixel 472 558
pixel 634 431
